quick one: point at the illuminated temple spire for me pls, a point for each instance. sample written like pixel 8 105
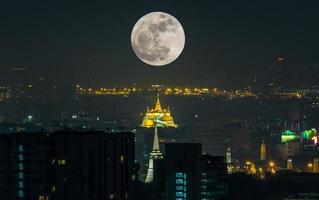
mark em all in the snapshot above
pixel 158 106
pixel 155 141
pixel 155 154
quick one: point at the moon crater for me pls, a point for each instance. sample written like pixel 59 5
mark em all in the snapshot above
pixel 158 38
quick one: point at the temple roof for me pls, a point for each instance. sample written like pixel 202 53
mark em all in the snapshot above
pixel 162 117
pixel 158 106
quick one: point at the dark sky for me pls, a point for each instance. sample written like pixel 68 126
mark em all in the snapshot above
pixel 226 41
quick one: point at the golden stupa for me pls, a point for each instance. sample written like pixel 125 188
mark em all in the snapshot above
pixel 160 117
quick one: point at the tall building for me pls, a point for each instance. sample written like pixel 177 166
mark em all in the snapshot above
pixel 263 151
pixel 19 82
pixel 155 118
pixel 67 166
pixel 213 177
pixel 315 165
pixel 155 155
pixel 289 164
pixel 184 173
pixel 182 163
pixel 229 161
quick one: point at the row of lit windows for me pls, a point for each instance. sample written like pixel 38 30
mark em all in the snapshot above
pixel 181 188
pixel 20 171
pixel 59 162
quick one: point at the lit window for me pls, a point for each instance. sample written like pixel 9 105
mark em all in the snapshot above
pixel 43 197
pixel 179 194
pixel 21 193
pixel 179 175
pixel 179 187
pixel 122 159
pixel 20 175
pixel 21 184
pixel 20 166
pixel 61 162
pixel 179 181
pixel 20 147
pixel 20 157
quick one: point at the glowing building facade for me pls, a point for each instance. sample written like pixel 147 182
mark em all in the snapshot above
pixel 263 151
pixel 288 136
pixel 186 173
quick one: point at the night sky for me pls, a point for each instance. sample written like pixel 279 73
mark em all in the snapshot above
pixel 226 41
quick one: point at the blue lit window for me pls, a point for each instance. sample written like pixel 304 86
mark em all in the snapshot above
pixel 21 184
pixel 20 157
pixel 179 181
pixel 21 193
pixel 20 147
pixel 20 175
pixel 184 182
pixel 179 187
pixel 20 166
pixel 179 194
pixel 179 199
pixel 179 175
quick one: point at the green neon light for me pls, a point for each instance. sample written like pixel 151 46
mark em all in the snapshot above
pixel 308 134
pixel 288 136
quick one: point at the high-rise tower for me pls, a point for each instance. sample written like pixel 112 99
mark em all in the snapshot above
pixel 315 165
pixel 263 151
pixel 155 154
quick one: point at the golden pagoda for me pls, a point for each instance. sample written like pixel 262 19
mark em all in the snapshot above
pixel 160 117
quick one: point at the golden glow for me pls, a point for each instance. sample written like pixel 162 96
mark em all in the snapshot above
pixel 162 117
pixel 196 91
pixel 61 162
pixel 263 151
pixel 272 167
pixel 271 163
pixel 43 197
pixel 122 159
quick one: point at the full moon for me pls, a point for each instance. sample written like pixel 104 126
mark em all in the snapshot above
pixel 158 38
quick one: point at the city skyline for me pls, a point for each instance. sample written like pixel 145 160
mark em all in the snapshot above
pixel 159 100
